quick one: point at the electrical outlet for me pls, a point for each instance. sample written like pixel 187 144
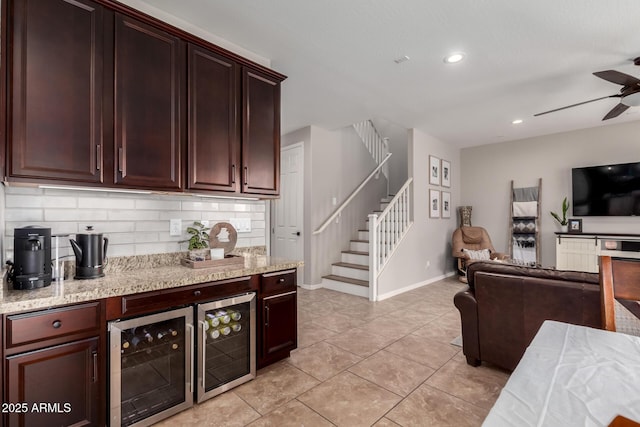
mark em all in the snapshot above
pixel 427 265
pixel 242 225
pixel 205 223
pixel 175 227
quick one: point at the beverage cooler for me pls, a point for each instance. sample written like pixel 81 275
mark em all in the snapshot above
pixel 158 362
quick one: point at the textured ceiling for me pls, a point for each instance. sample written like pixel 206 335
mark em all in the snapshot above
pixel 523 57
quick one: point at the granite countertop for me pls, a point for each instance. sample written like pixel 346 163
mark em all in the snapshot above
pixel 132 281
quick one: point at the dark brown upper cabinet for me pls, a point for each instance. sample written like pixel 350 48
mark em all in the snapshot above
pixel 213 109
pixel 149 87
pixel 260 133
pixel 100 94
pixel 55 90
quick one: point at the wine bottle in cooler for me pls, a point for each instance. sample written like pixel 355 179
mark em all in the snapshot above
pixel 212 320
pixel 235 327
pixel 235 315
pixel 223 316
pixel 213 334
pixel 224 330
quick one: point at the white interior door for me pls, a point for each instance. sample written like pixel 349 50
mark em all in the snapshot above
pixel 287 219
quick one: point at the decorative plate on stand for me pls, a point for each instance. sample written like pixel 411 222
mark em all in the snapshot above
pixel 223 235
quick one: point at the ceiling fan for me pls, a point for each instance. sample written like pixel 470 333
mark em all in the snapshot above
pixel 629 93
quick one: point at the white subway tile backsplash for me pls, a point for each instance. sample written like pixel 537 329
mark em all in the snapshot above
pixel 158 205
pixel 106 203
pixel 133 215
pixel 22 201
pixel 134 223
pixel 18 214
pixel 199 206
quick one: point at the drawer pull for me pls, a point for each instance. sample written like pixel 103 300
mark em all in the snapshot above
pixel 56 324
pixel 281 280
pixel 196 293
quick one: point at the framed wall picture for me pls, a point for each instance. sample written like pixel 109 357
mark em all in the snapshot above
pixel 446 203
pixel 445 173
pixel 575 225
pixel 434 204
pixel 434 170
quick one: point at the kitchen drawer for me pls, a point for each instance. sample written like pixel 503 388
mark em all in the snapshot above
pixel 278 282
pixel 149 302
pixel 44 325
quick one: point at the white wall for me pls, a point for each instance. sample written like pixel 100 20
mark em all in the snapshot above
pixel 487 171
pixel 398 146
pixel 135 224
pixel 429 239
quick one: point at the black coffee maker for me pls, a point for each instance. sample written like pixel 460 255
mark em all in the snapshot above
pixel 31 267
pixel 91 254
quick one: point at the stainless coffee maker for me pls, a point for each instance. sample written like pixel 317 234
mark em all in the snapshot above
pixel 31 267
pixel 91 254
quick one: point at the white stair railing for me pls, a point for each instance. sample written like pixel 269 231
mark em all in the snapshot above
pixel 377 146
pixel 385 233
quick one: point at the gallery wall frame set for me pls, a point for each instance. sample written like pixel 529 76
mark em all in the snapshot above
pixel 439 201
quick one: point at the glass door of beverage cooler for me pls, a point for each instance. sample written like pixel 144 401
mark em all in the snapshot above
pixel 151 367
pixel 226 346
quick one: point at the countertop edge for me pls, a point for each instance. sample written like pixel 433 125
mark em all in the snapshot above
pixel 101 291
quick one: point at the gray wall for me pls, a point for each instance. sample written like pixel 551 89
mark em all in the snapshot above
pixel 336 162
pixel 487 171
pixel 425 252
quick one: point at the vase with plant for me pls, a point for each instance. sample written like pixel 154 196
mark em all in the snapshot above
pixel 562 220
pixel 198 242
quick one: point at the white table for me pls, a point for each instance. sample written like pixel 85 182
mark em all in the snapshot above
pixel 572 376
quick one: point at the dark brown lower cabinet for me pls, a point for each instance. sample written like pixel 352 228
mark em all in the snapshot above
pixel 278 316
pixel 55 386
pixel 279 328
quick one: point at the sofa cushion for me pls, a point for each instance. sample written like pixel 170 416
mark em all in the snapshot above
pixel 540 273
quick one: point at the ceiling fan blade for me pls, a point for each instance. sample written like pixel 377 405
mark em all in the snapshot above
pixel 616 111
pixel 617 77
pixel 575 105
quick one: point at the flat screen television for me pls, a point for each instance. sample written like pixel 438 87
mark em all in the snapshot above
pixel 609 190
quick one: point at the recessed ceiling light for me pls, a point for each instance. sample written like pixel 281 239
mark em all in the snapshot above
pixel 401 59
pixel 516 121
pixel 454 57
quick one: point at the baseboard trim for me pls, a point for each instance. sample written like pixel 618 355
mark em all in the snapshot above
pixel 311 287
pixel 415 286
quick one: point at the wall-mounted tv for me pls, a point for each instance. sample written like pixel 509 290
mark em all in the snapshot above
pixel 609 190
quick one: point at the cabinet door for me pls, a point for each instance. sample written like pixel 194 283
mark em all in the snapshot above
pixel 63 382
pixel 56 84
pixel 279 326
pixel 261 134
pixel 148 111
pixel 213 121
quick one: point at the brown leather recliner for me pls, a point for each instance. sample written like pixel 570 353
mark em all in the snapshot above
pixel 505 305
pixel 471 238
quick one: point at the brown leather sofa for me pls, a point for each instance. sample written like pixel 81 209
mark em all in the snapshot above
pixel 505 305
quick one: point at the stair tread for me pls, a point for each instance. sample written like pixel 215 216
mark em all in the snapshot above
pixel 351 265
pixel 347 280
pixel 360 241
pixel 355 252
pixel 364 230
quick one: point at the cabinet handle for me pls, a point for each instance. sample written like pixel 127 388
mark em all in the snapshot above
pixel 266 316
pixel 281 280
pixel 98 157
pixel 246 176
pixel 233 174
pixel 95 367
pixel 56 324
pixel 196 293
pixel 120 159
